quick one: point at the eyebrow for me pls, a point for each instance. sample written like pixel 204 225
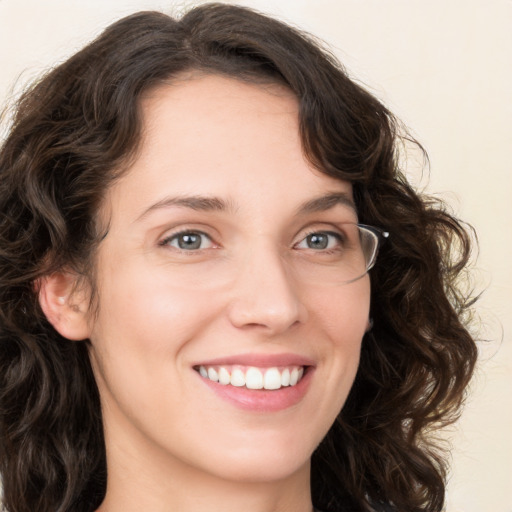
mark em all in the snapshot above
pixel 199 203
pixel 208 204
pixel 324 203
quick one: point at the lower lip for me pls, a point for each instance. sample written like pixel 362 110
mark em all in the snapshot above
pixel 262 400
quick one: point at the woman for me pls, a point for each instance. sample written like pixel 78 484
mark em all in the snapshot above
pixel 190 209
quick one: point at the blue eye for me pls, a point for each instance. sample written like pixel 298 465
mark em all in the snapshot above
pixel 189 241
pixel 320 241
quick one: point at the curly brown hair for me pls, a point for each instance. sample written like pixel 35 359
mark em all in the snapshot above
pixel 74 133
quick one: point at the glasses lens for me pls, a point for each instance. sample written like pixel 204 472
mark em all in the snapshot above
pixel 341 257
pixel 369 245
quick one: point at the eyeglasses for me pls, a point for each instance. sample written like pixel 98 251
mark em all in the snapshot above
pixel 322 257
pixel 338 257
pixel 371 239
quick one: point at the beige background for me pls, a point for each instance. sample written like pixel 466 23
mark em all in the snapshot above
pixel 444 66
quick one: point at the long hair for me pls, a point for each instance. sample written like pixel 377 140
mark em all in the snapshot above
pixel 74 133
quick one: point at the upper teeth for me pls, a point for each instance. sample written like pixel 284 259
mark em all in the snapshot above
pixel 252 377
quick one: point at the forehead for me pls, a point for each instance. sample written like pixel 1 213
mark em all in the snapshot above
pixel 215 136
pixel 199 110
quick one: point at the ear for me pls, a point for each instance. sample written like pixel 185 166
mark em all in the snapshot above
pixel 65 304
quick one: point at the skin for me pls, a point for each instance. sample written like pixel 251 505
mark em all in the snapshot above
pixel 173 444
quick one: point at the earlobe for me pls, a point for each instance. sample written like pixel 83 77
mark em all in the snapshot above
pixel 64 306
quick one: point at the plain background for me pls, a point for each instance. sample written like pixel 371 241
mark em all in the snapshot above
pixel 445 68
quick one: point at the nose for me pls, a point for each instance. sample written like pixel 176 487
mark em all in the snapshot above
pixel 264 295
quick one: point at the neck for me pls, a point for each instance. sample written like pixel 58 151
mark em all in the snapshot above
pixel 153 482
pixel 135 493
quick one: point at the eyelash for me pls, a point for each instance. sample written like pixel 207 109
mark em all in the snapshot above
pixel 337 236
pixel 167 241
pixel 191 232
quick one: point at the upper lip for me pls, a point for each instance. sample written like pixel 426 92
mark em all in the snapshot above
pixel 259 360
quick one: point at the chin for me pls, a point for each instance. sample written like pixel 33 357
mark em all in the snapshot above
pixel 273 456
pixel 264 469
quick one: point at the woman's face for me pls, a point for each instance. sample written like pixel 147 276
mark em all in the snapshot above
pixel 209 271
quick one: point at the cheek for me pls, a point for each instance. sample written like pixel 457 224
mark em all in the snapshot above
pixel 343 311
pixel 342 315
pixel 144 325
pixel 140 339
pixel 138 295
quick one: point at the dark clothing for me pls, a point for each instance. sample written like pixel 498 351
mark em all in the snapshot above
pixel 380 507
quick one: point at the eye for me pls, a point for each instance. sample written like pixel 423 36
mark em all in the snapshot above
pixel 320 241
pixel 189 241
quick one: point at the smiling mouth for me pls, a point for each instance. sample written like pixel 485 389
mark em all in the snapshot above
pixel 252 377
